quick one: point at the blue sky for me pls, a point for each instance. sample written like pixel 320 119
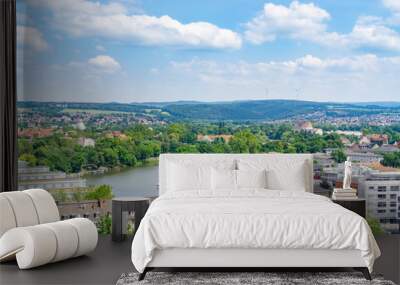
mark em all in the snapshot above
pixel 154 50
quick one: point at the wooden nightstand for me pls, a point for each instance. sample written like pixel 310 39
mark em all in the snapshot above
pixel 355 205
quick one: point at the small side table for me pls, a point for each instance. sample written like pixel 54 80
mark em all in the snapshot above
pixel 120 208
pixel 355 205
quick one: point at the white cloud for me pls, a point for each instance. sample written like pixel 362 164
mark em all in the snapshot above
pixel 100 48
pixel 308 63
pixel 93 68
pixel 85 18
pixel 363 63
pixel 394 7
pixel 308 22
pixel 351 78
pixel 31 37
pixel 372 32
pixel 298 21
pixel 104 63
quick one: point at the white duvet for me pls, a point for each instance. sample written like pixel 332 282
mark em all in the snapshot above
pixel 250 219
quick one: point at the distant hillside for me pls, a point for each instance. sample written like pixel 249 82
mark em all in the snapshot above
pixel 163 104
pixel 380 104
pixel 244 110
pixel 234 111
pixel 133 108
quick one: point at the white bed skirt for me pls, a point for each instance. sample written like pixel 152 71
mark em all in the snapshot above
pixel 189 257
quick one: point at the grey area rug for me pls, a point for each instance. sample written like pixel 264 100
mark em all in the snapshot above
pixel 228 278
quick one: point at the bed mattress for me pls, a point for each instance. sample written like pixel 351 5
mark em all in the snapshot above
pixel 250 219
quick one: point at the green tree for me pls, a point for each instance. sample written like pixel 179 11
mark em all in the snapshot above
pixel 273 146
pixel 93 157
pixel 24 146
pixel 110 157
pixel 155 148
pixel 145 150
pixel 104 224
pixel 338 155
pixel 100 192
pixel 391 159
pixel 29 158
pixel 139 133
pixel 78 196
pixel 186 148
pixel 245 142
pixel 204 147
pixel 59 195
pixel 375 226
pixel 176 131
pixel 77 161
pixel 300 147
pixel 220 147
pixel 290 148
pixel 127 156
pixel 239 145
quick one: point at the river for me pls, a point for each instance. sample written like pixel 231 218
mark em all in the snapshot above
pixel 139 181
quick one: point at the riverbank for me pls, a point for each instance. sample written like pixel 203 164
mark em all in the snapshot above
pixel 103 171
pixel 139 181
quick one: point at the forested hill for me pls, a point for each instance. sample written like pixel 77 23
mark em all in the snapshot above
pixel 235 110
pixel 244 110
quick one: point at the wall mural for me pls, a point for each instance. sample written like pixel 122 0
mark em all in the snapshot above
pixel 104 87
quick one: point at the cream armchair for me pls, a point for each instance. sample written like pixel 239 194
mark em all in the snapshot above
pixel 31 230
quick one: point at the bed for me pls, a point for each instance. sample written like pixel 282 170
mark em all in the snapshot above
pixel 247 210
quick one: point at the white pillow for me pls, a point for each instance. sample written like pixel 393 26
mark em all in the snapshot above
pixel 282 174
pixel 292 179
pixel 188 177
pixel 251 178
pixel 223 179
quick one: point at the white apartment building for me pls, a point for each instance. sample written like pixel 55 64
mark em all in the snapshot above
pixel 368 157
pixel 42 177
pixel 321 162
pixel 331 175
pixel 382 193
pixel 51 184
pixel 86 142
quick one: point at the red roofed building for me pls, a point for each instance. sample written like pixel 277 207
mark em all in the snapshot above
pixel 379 139
pixel 35 133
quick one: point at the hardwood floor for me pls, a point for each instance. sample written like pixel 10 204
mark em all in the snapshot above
pixel 389 262
pixel 103 266
pixel 111 259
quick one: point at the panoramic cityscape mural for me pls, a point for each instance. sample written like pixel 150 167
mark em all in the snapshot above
pixel 104 87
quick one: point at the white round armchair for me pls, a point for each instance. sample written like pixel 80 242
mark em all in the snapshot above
pixel 31 230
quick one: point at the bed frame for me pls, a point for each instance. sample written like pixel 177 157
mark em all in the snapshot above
pixel 245 259
pixel 250 259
